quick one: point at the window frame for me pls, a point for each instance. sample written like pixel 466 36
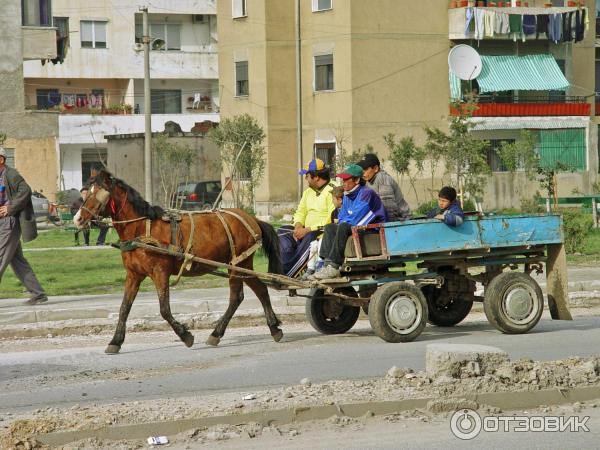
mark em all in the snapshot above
pixel 327 88
pixel 315 6
pixel 330 147
pixel 93 41
pixel 162 92
pixel 45 10
pixel 238 91
pixel 243 9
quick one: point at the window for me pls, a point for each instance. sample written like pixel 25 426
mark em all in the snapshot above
pixel 565 146
pixel 166 101
pixel 325 151
pixel 558 96
pixel 241 79
pixel 93 34
pixel 10 157
pixel 321 5
pixel 493 159
pixel 47 98
pixel 324 73
pixel 170 33
pixel 36 13
pixel 238 8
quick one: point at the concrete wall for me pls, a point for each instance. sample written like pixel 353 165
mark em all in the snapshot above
pixel 126 161
pixel 39 43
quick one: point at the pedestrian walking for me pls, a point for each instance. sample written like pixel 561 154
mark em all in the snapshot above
pixel 17 220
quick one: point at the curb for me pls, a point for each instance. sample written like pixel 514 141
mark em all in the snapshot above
pixel 504 400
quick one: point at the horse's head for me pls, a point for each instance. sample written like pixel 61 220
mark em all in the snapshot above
pixel 102 185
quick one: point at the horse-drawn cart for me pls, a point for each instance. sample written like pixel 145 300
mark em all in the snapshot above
pixel 450 261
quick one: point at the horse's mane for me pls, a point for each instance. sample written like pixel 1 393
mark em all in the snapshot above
pixel 141 206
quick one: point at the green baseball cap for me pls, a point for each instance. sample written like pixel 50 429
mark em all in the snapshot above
pixel 351 171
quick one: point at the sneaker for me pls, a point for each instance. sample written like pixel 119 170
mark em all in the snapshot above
pixel 327 272
pixel 36 300
pixel 308 275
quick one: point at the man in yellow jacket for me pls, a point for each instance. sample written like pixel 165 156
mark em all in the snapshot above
pixel 313 213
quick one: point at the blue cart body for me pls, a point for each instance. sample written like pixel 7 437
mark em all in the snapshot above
pixel 430 236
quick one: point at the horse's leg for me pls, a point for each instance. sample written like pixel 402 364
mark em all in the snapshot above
pixel 161 282
pixel 236 296
pixel 261 291
pixel 132 284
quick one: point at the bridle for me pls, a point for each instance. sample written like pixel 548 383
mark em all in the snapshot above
pixel 103 195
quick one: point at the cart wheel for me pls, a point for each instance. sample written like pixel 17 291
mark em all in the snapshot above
pixel 444 311
pixel 398 312
pixel 513 302
pixel 329 316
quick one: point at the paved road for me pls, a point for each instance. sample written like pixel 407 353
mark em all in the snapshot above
pixel 61 371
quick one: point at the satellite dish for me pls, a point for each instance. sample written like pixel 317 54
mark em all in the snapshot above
pixel 464 62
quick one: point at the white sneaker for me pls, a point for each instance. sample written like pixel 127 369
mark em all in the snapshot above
pixel 327 272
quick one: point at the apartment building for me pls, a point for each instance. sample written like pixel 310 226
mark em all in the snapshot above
pixel 26 35
pixel 347 72
pixel 95 82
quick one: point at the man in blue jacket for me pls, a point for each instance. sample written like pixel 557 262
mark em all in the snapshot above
pixel 361 206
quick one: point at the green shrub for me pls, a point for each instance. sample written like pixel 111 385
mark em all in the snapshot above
pixel 577 226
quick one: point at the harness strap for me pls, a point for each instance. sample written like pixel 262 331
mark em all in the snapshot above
pixel 188 258
pixel 248 227
pixel 228 232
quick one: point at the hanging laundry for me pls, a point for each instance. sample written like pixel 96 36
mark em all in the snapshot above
pixel 479 17
pixel 579 25
pixel 555 28
pixel 489 20
pixel 468 20
pixel 529 24
pixel 68 100
pixel 515 24
pixel 542 26
pixel 567 22
pixel 586 19
pixel 501 25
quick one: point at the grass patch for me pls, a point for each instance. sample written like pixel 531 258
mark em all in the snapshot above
pixel 590 255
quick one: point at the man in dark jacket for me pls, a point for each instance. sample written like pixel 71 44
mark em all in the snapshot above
pixel 386 187
pixel 16 217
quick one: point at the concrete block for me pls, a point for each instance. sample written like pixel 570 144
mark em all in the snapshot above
pixel 18 317
pixel 462 360
pixel 71 314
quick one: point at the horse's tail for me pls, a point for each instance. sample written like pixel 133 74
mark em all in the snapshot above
pixel 270 243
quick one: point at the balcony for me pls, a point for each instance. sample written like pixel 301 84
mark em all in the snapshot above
pixel 530 105
pixel 91 129
pixel 597 113
pixel 457 21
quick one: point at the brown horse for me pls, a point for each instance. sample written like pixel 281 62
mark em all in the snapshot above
pixel 133 218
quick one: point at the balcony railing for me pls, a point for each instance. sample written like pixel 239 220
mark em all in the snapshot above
pixel 550 104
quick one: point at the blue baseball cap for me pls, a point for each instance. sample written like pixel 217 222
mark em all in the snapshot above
pixel 313 166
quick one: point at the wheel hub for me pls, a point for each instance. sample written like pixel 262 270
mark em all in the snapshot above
pixel 518 303
pixel 401 313
pixel 332 309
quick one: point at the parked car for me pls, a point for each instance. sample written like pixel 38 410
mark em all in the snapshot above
pixel 41 206
pixel 197 195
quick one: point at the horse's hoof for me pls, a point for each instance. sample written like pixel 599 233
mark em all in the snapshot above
pixel 277 336
pixel 188 339
pixel 213 341
pixel 112 349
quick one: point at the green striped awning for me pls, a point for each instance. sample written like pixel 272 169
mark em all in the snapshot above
pixel 527 73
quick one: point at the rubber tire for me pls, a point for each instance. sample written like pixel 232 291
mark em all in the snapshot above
pixel 494 294
pixel 316 316
pixel 377 308
pixel 447 315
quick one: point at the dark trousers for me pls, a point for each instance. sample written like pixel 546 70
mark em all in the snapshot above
pixel 86 236
pixel 102 234
pixel 294 253
pixel 334 243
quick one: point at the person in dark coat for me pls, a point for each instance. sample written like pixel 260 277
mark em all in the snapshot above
pixel 17 220
pixel 449 210
pixel 74 209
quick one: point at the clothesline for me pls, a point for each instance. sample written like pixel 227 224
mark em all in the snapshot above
pixel 567 25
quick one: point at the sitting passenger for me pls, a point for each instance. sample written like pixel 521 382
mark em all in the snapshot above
pixel 314 212
pixel 314 262
pixel 449 210
pixel 361 206
pixel 386 187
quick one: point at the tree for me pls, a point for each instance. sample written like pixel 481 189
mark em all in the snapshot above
pixel 405 154
pixel 173 162
pixel 520 155
pixel 242 154
pixel 2 138
pixel 464 155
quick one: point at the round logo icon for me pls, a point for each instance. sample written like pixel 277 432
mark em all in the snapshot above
pixel 465 424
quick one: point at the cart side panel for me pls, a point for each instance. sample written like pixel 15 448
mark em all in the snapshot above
pixel 521 230
pixel 557 287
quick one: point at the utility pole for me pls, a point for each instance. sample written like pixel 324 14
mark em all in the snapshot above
pixel 147 108
pixel 298 96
